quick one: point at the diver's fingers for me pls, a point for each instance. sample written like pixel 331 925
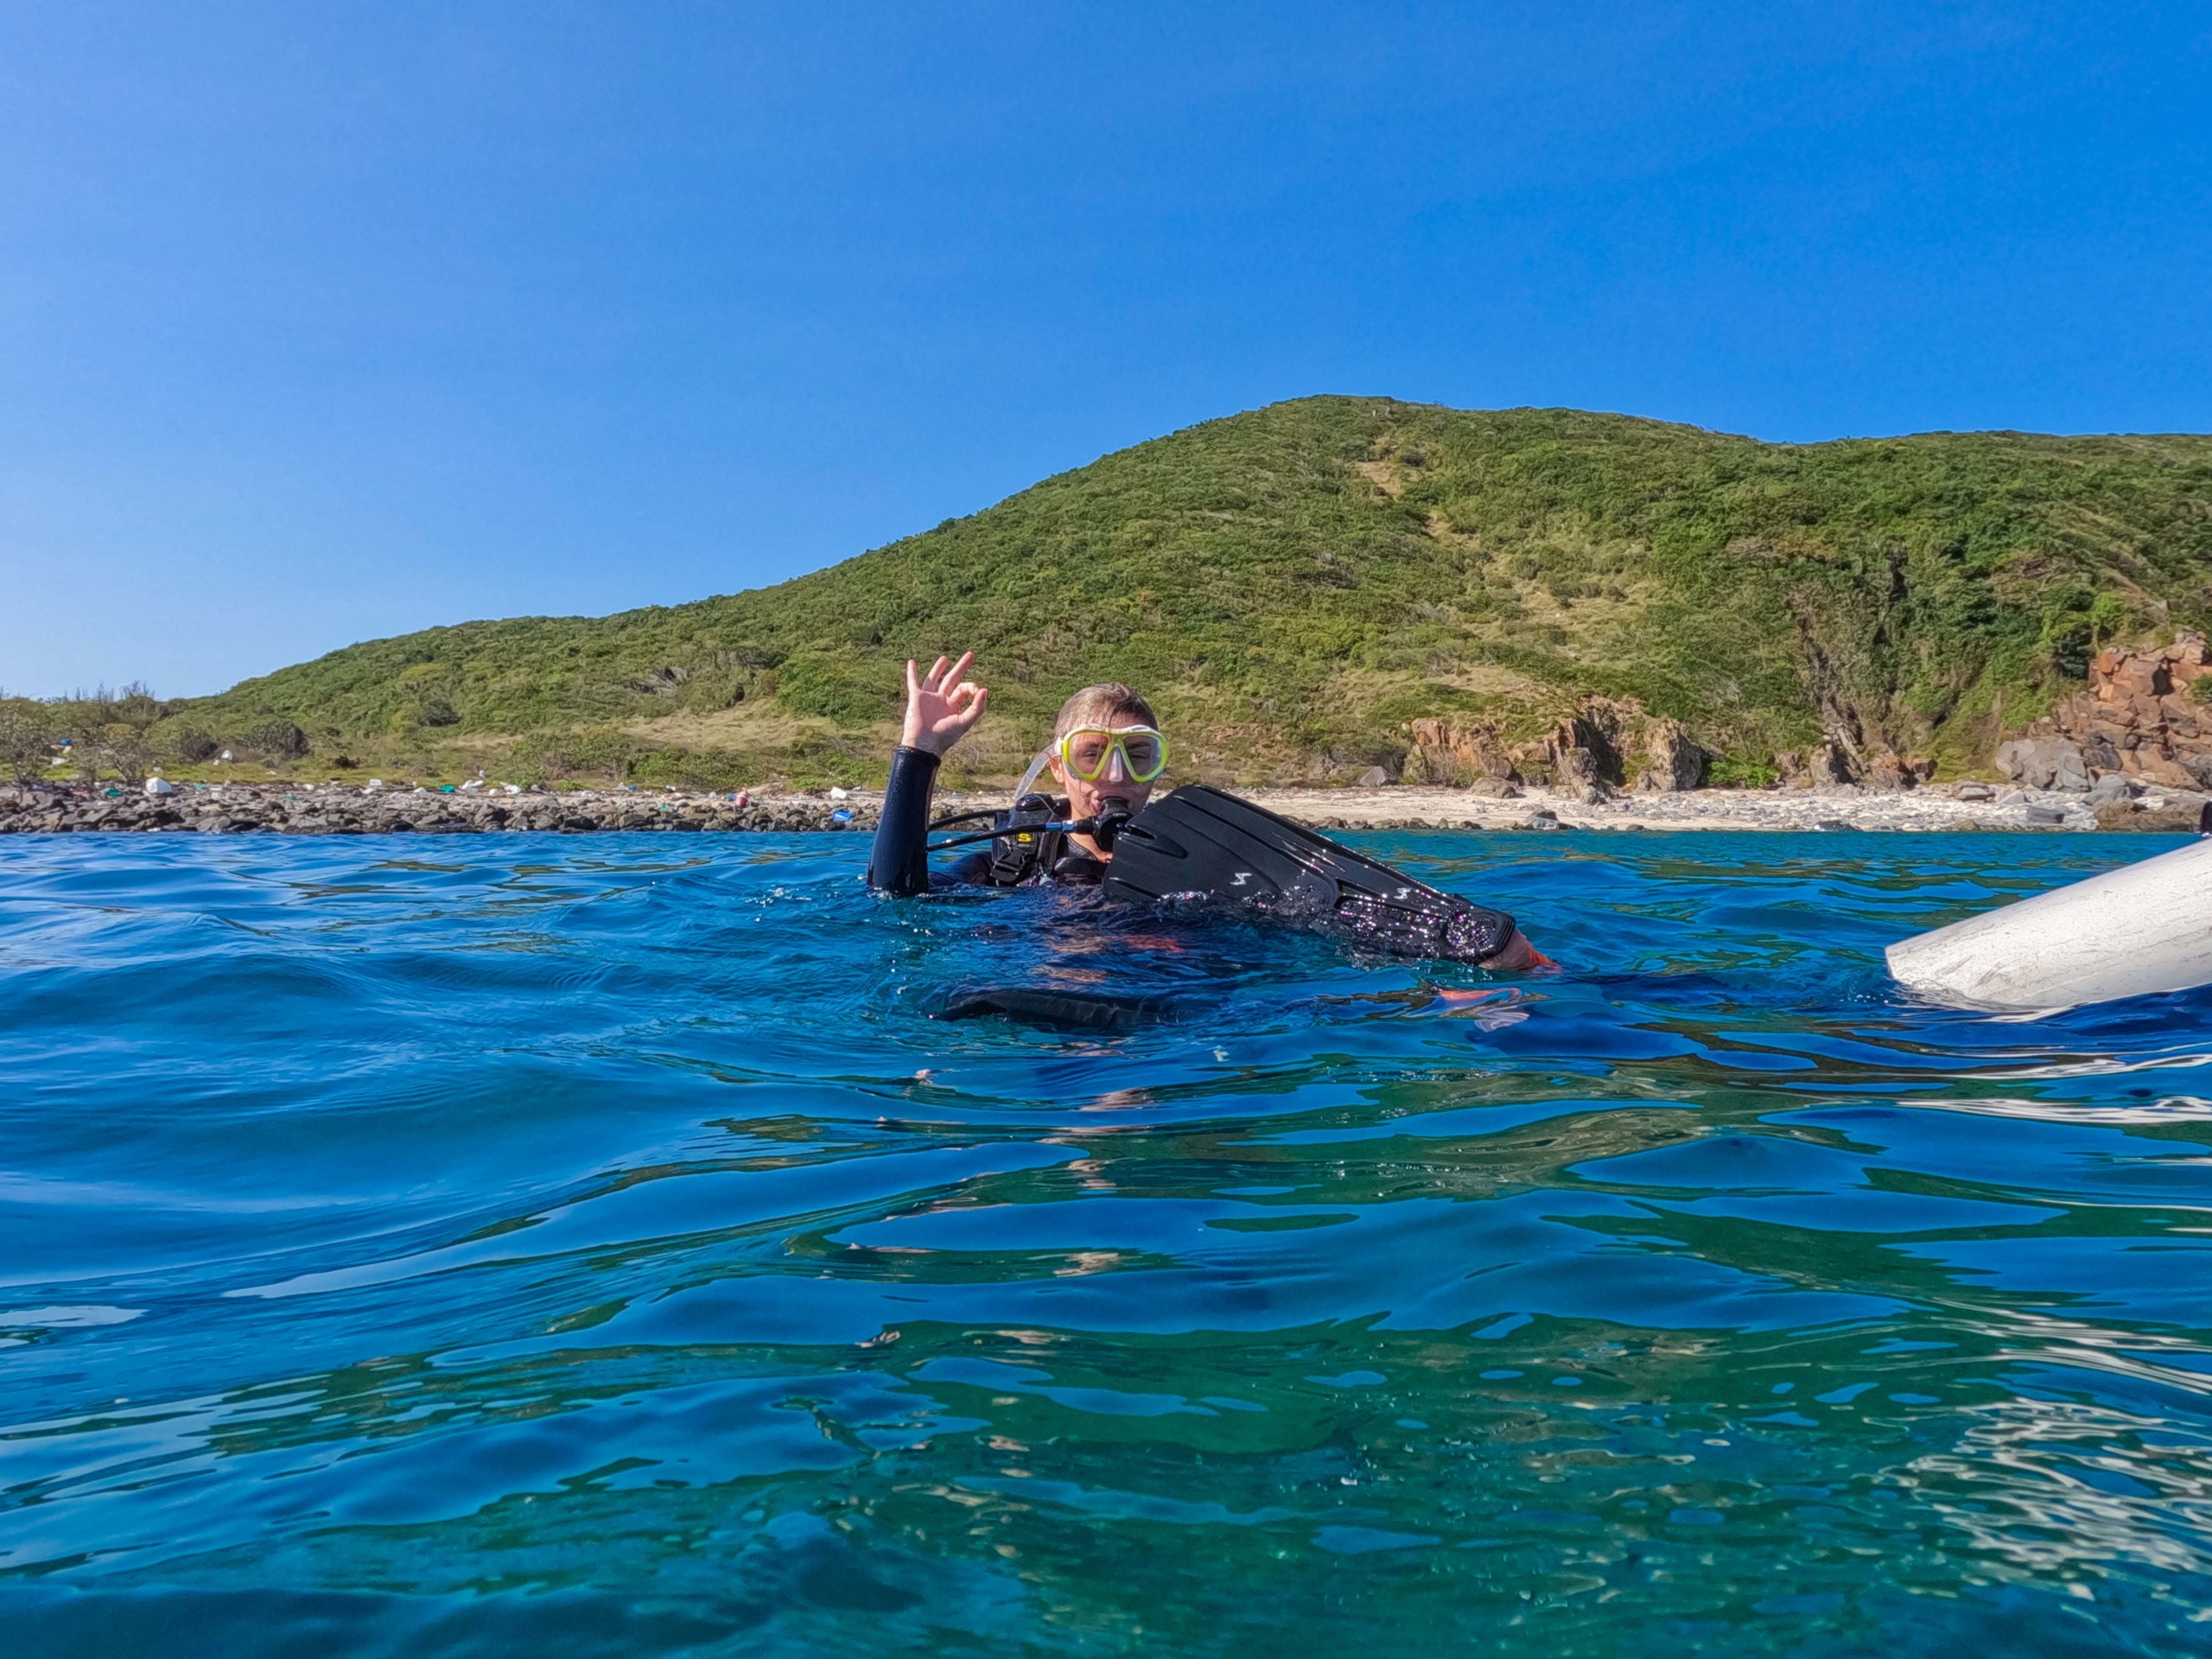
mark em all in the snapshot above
pixel 934 680
pixel 975 708
pixel 913 684
pixel 953 675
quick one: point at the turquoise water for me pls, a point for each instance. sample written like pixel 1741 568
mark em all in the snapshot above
pixel 590 1246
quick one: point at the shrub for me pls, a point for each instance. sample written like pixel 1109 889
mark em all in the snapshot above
pixel 1738 772
pixel 816 685
pixel 279 740
pixel 2109 616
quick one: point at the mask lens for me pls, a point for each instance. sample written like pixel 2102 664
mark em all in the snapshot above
pixel 1086 753
pixel 1145 753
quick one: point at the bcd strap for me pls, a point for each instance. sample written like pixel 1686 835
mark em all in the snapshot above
pixel 1023 847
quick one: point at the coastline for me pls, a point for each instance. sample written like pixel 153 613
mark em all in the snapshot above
pixel 337 809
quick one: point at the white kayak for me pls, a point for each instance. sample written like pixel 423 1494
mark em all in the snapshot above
pixel 2129 932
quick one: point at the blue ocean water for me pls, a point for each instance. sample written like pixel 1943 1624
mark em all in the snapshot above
pixel 593 1246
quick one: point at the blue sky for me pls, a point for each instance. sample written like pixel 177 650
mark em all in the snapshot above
pixel 323 322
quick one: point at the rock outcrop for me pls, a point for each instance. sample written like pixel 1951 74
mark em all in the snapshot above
pixel 1837 763
pixel 1585 748
pixel 1605 744
pixel 1672 761
pixel 2140 716
pixel 1452 749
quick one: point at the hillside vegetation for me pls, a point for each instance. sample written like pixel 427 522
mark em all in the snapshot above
pixel 1296 584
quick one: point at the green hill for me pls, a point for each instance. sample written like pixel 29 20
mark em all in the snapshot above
pixel 1296 584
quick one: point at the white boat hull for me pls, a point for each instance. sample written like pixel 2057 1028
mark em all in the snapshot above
pixel 2130 933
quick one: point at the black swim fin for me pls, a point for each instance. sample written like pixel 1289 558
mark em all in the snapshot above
pixel 1060 1010
pixel 1203 844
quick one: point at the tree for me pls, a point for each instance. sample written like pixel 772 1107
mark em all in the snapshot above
pixel 109 732
pixel 27 739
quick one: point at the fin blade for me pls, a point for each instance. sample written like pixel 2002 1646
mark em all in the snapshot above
pixel 1205 843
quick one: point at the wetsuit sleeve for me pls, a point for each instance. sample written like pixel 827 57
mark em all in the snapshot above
pixel 900 861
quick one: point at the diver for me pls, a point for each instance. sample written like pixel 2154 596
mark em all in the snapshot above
pixel 1107 752
pixel 1197 845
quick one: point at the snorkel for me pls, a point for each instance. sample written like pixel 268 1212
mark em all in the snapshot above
pixel 1037 769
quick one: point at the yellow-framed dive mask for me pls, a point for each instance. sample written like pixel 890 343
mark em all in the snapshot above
pixel 1088 752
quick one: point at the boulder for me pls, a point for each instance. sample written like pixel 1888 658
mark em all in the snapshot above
pixel 2153 767
pixel 2044 763
pixel 1576 767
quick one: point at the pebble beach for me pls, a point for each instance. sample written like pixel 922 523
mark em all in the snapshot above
pixel 339 808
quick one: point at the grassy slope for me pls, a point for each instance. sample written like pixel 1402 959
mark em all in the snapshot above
pixel 1294 583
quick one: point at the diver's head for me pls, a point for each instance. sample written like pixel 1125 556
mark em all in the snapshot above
pixel 1107 750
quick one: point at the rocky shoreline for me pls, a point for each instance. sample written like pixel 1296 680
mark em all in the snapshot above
pixel 342 809
pixel 336 809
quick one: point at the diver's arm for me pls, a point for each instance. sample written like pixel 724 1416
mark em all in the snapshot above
pixel 900 861
pixel 941 705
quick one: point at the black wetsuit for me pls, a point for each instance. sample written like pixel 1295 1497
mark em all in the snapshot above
pixel 1198 844
pixel 900 861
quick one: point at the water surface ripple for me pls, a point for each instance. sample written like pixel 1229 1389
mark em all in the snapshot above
pixel 592 1245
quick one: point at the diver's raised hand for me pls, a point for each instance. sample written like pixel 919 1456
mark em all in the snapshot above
pixel 941 705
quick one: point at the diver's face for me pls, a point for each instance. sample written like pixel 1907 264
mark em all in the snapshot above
pixel 1112 791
